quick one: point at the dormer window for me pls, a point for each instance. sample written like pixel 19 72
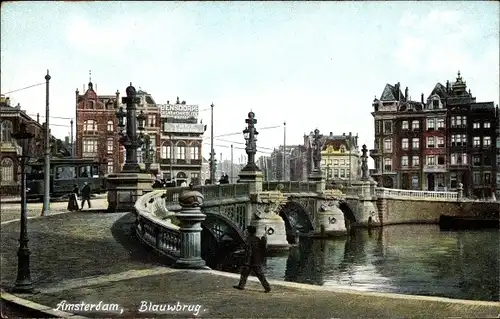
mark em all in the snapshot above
pixel 90 104
pixel 435 104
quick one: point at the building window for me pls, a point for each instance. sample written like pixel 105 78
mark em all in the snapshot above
pixel 180 152
pixel 415 161
pixel 431 142
pixel 90 146
pixel 388 145
pixel 90 104
pixel 342 173
pixel 110 145
pixel 166 149
pixel 487 177
pixel 441 160
pixel 404 125
pixel 435 104
pixel 335 173
pixel 440 142
pixel 378 127
pixel 464 158
pixel 440 124
pixel 476 125
pixel 464 139
pixel 342 162
pixel 453 159
pixel 111 168
pixel 404 161
pixel 414 182
pixel 486 141
pixel 476 141
pixel 476 160
pixel 430 160
pixel 6 131
pixel 453 180
pixel 342 149
pixel 110 126
pixel 404 143
pixel 415 125
pixel 335 162
pixel 387 127
pixel 388 164
pixel 151 120
pixel 89 126
pixel 415 143
pixel 431 124
pixel 7 169
pixel 486 160
pixel 486 124
pixel 476 177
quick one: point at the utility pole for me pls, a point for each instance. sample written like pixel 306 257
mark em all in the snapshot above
pixel 212 151
pixel 71 138
pixel 46 175
pixel 232 170
pixel 284 151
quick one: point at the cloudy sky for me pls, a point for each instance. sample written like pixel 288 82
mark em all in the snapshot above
pixel 311 64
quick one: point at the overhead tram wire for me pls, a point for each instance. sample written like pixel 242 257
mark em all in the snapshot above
pixel 28 87
pixel 241 132
pixel 239 148
pixel 53 117
pixel 242 143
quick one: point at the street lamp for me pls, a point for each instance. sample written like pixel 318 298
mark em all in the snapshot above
pixel 23 281
pixel 250 133
pixel 129 138
pixel 147 153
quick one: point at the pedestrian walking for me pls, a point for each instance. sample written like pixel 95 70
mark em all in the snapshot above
pixel 73 199
pixel 86 195
pixel 255 251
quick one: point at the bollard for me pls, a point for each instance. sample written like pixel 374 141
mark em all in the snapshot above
pixel 190 218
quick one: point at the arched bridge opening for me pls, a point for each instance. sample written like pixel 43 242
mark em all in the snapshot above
pixel 296 220
pixel 220 239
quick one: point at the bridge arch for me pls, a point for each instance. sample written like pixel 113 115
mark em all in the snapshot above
pixel 220 237
pixel 348 212
pixel 296 218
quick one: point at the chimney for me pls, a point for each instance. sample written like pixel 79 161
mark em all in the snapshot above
pixel 447 86
pixel 422 98
pixel 350 133
pixel 38 117
pixel 343 134
pixel 331 133
pixel 406 94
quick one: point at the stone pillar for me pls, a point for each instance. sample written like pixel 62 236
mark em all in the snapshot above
pixel 253 178
pixel 190 218
pixel 330 220
pixel 266 207
pixel 460 191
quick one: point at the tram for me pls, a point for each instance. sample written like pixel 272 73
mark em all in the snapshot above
pixel 65 173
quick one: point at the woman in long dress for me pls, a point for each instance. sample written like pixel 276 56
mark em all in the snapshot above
pixel 73 199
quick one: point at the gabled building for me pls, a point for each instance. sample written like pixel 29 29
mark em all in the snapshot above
pixel 435 144
pixel 340 158
pixel 96 129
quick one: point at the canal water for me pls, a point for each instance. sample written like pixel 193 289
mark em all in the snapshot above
pixel 407 259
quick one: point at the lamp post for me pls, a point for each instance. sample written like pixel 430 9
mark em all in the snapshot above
pixel 46 170
pixel 250 134
pixel 130 139
pixel 23 281
pixel 147 153
pixel 212 151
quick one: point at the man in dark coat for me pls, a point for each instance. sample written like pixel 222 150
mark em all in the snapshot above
pixel 255 251
pixel 86 195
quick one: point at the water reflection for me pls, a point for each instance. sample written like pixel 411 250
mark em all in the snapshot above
pixel 409 259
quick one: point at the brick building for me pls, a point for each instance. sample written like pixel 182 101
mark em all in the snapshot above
pixel 96 129
pixel 437 143
pixel 10 119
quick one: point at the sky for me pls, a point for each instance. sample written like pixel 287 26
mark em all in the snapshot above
pixel 309 64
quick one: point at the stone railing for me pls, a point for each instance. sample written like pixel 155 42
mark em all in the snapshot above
pixel 289 187
pixel 413 194
pixel 209 192
pixel 156 232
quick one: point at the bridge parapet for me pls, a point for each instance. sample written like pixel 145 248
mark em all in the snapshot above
pixel 290 186
pixel 209 192
pixel 389 193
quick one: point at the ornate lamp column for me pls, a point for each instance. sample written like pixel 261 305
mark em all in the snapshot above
pixel 316 174
pixel 251 173
pixel 23 281
pixel 147 154
pixel 126 186
pixel 190 218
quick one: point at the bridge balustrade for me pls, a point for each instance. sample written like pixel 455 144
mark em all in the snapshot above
pixel 209 192
pixel 290 186
pixel 405 193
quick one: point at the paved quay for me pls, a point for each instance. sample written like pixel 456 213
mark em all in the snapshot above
pixel 92 257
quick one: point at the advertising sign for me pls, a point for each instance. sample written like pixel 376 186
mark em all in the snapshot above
pixel 178 111
pixel 184 128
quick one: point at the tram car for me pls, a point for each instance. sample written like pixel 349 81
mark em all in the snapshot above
pixel 65 173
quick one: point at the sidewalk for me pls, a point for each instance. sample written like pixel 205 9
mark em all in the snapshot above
pixel 214 293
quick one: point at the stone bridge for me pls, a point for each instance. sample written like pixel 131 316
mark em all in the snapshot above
pixel 285 210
